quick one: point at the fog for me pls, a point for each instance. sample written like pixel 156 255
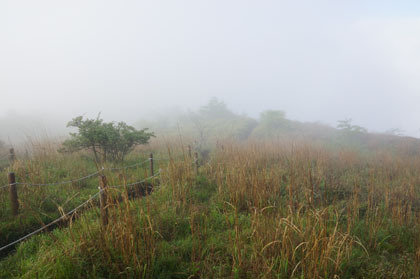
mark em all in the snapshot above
pixel 316 60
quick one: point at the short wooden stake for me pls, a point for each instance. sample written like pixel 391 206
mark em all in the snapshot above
pixel 103 201
pixel 152 171
pixel 13 194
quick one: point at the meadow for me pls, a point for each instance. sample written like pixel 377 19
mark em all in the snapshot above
pixel 255 209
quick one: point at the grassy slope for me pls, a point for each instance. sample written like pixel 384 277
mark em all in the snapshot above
pixel 259 210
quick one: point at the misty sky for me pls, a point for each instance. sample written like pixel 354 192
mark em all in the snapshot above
pixel 316 60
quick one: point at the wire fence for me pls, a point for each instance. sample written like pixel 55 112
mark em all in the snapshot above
pixel 62 182
pixel 81 205
pixel 52 223
pixel 137 182
pixel 82 178
pixel 131 166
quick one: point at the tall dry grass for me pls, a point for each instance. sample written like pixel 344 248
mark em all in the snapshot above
pixel 262 209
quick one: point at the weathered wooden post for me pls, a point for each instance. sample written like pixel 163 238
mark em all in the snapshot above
pixel 12 156
pixel 13 194
pixel 196 162
pixel 103 201
pixel 152 171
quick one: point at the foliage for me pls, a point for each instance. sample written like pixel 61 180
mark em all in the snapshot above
pixel 347 126
pixel 216 120
pixel 106 140
pixel 274 120
pixel 216 109
pixel 273 123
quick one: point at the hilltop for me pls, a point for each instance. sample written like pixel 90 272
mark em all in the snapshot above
pixel 215 122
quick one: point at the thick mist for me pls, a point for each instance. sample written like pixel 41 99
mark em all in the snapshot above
pixel 131 60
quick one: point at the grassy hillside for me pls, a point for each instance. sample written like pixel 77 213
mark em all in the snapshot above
pixel 214 122
pixel 257 209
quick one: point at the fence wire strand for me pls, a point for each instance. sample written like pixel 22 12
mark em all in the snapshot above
pixel 62 182
pixel 81 178
pixel 130 166
pixel 134 183
pixel 159 159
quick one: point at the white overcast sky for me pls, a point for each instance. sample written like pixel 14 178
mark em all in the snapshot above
pixel 316 60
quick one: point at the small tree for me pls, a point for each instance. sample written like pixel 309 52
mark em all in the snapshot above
pixel 216 109
pixel 111 140
pixel 346 126
pixel 272 124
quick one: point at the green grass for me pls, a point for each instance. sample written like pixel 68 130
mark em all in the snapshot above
pixel 250 213
pixel 39 205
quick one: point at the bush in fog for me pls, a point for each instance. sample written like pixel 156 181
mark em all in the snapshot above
pixel 216 109
pixel 108 141
pixel 273 123
pixel 347 126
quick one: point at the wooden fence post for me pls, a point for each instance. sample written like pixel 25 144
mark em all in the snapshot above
pixel 152 171
pixel 12 156
pixel 13 194
pixel 103 201
pixel 196 162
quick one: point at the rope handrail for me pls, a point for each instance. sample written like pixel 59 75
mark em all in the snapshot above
pixel 53 222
